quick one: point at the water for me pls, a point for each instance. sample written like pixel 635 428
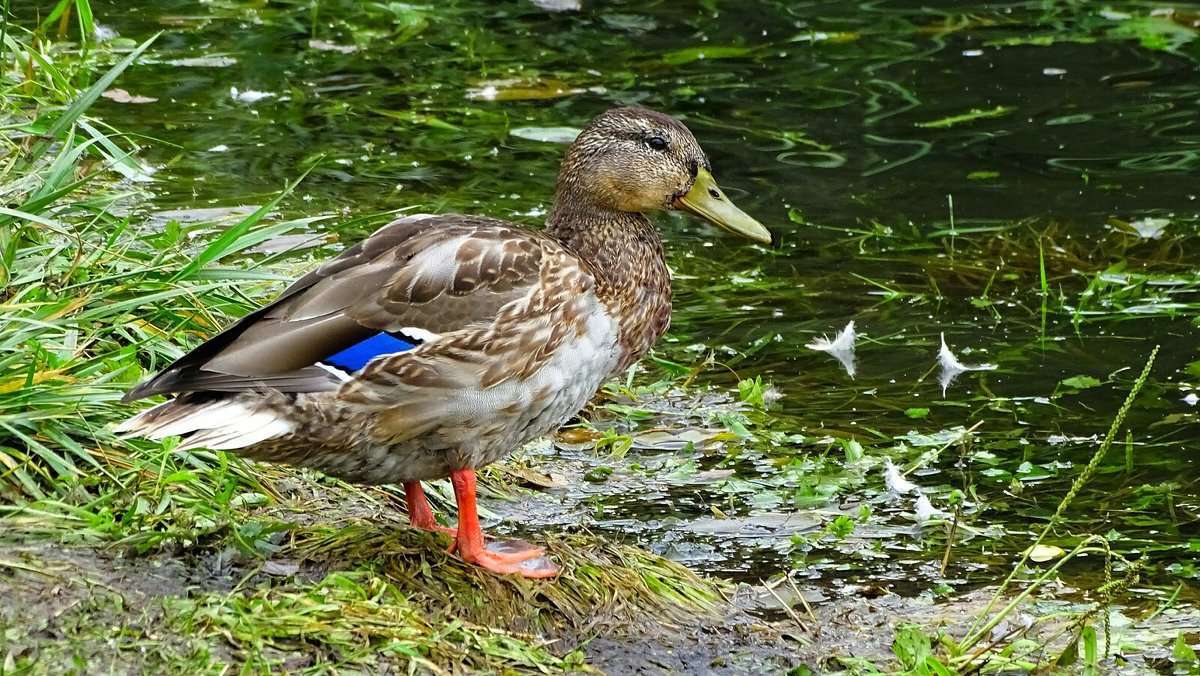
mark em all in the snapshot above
pixel 921 164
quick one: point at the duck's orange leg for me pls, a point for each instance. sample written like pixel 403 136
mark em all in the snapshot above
pixel 420 514
pixel 505 557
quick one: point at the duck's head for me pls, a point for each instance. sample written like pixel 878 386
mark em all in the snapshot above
pixel 637 160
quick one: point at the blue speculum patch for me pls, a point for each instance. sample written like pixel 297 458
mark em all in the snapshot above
pixel 356 356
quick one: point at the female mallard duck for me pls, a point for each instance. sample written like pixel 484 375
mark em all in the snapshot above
pixel 440 343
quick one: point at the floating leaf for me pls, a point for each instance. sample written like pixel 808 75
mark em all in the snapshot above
pixel 825 36
pixel 578 435
pixel 205 62
pixel 532 478
pixel 516 89
pixel 598 474
pixel 1044 553
pixel 675 440
pixel 758 525
pixel 971 116
pixel 321 45
pixel 546 134
pixel 1150 228
pixel 690 54
pixel 1070 119
pixel 558 5
pixel 121 96
pixel 1080 382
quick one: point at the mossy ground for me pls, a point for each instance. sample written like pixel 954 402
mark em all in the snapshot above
pixel 347 585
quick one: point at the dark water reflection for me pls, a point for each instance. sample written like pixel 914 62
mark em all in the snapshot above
pixel 828 120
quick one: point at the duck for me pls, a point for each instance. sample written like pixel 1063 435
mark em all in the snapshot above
pixel 440 343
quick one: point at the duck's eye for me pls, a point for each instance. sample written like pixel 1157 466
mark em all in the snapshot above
pixel 656 143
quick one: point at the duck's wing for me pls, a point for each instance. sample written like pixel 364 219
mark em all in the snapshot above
pixel 412 279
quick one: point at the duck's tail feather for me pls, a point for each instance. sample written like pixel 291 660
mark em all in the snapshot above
pixel 216 422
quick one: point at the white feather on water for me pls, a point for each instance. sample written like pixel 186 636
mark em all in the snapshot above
pixel 840 348
pixel 952 367
pixel 894 479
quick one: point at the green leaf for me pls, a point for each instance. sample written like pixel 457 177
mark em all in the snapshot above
pixel 841 527
pixel 673 369
pixel 970 116
pixel 853 449
pixel 1182 651
pixel 1080 382
pixel 750 391
pixel 734 422
pixel 1091 650
pixel 916 412
pixel 690 54
pixel 912 646
pixel 1069 654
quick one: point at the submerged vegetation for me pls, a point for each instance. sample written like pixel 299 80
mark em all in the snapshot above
pixel 1010 513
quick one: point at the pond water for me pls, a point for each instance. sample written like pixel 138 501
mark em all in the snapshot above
pixel 995 175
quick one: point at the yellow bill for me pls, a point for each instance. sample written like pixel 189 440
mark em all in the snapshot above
pixel 707 201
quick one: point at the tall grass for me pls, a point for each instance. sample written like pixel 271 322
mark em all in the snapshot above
pixel 91 298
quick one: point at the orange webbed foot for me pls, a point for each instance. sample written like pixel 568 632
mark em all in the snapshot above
pixel 507 557
pixel 513 557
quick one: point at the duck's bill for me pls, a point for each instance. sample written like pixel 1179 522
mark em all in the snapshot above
pixel 707 201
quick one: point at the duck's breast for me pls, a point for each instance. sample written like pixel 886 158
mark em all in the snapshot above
pixel 469 398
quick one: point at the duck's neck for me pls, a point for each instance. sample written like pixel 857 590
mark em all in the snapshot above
pixel 610 240
pixel 631 275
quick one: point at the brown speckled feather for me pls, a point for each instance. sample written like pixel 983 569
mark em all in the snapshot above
pixel 436 273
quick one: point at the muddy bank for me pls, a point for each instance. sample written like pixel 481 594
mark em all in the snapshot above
pixel 101 611
pixel 68 607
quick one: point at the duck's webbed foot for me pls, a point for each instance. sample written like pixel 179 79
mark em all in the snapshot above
pixel 506 557
pixel 509 557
